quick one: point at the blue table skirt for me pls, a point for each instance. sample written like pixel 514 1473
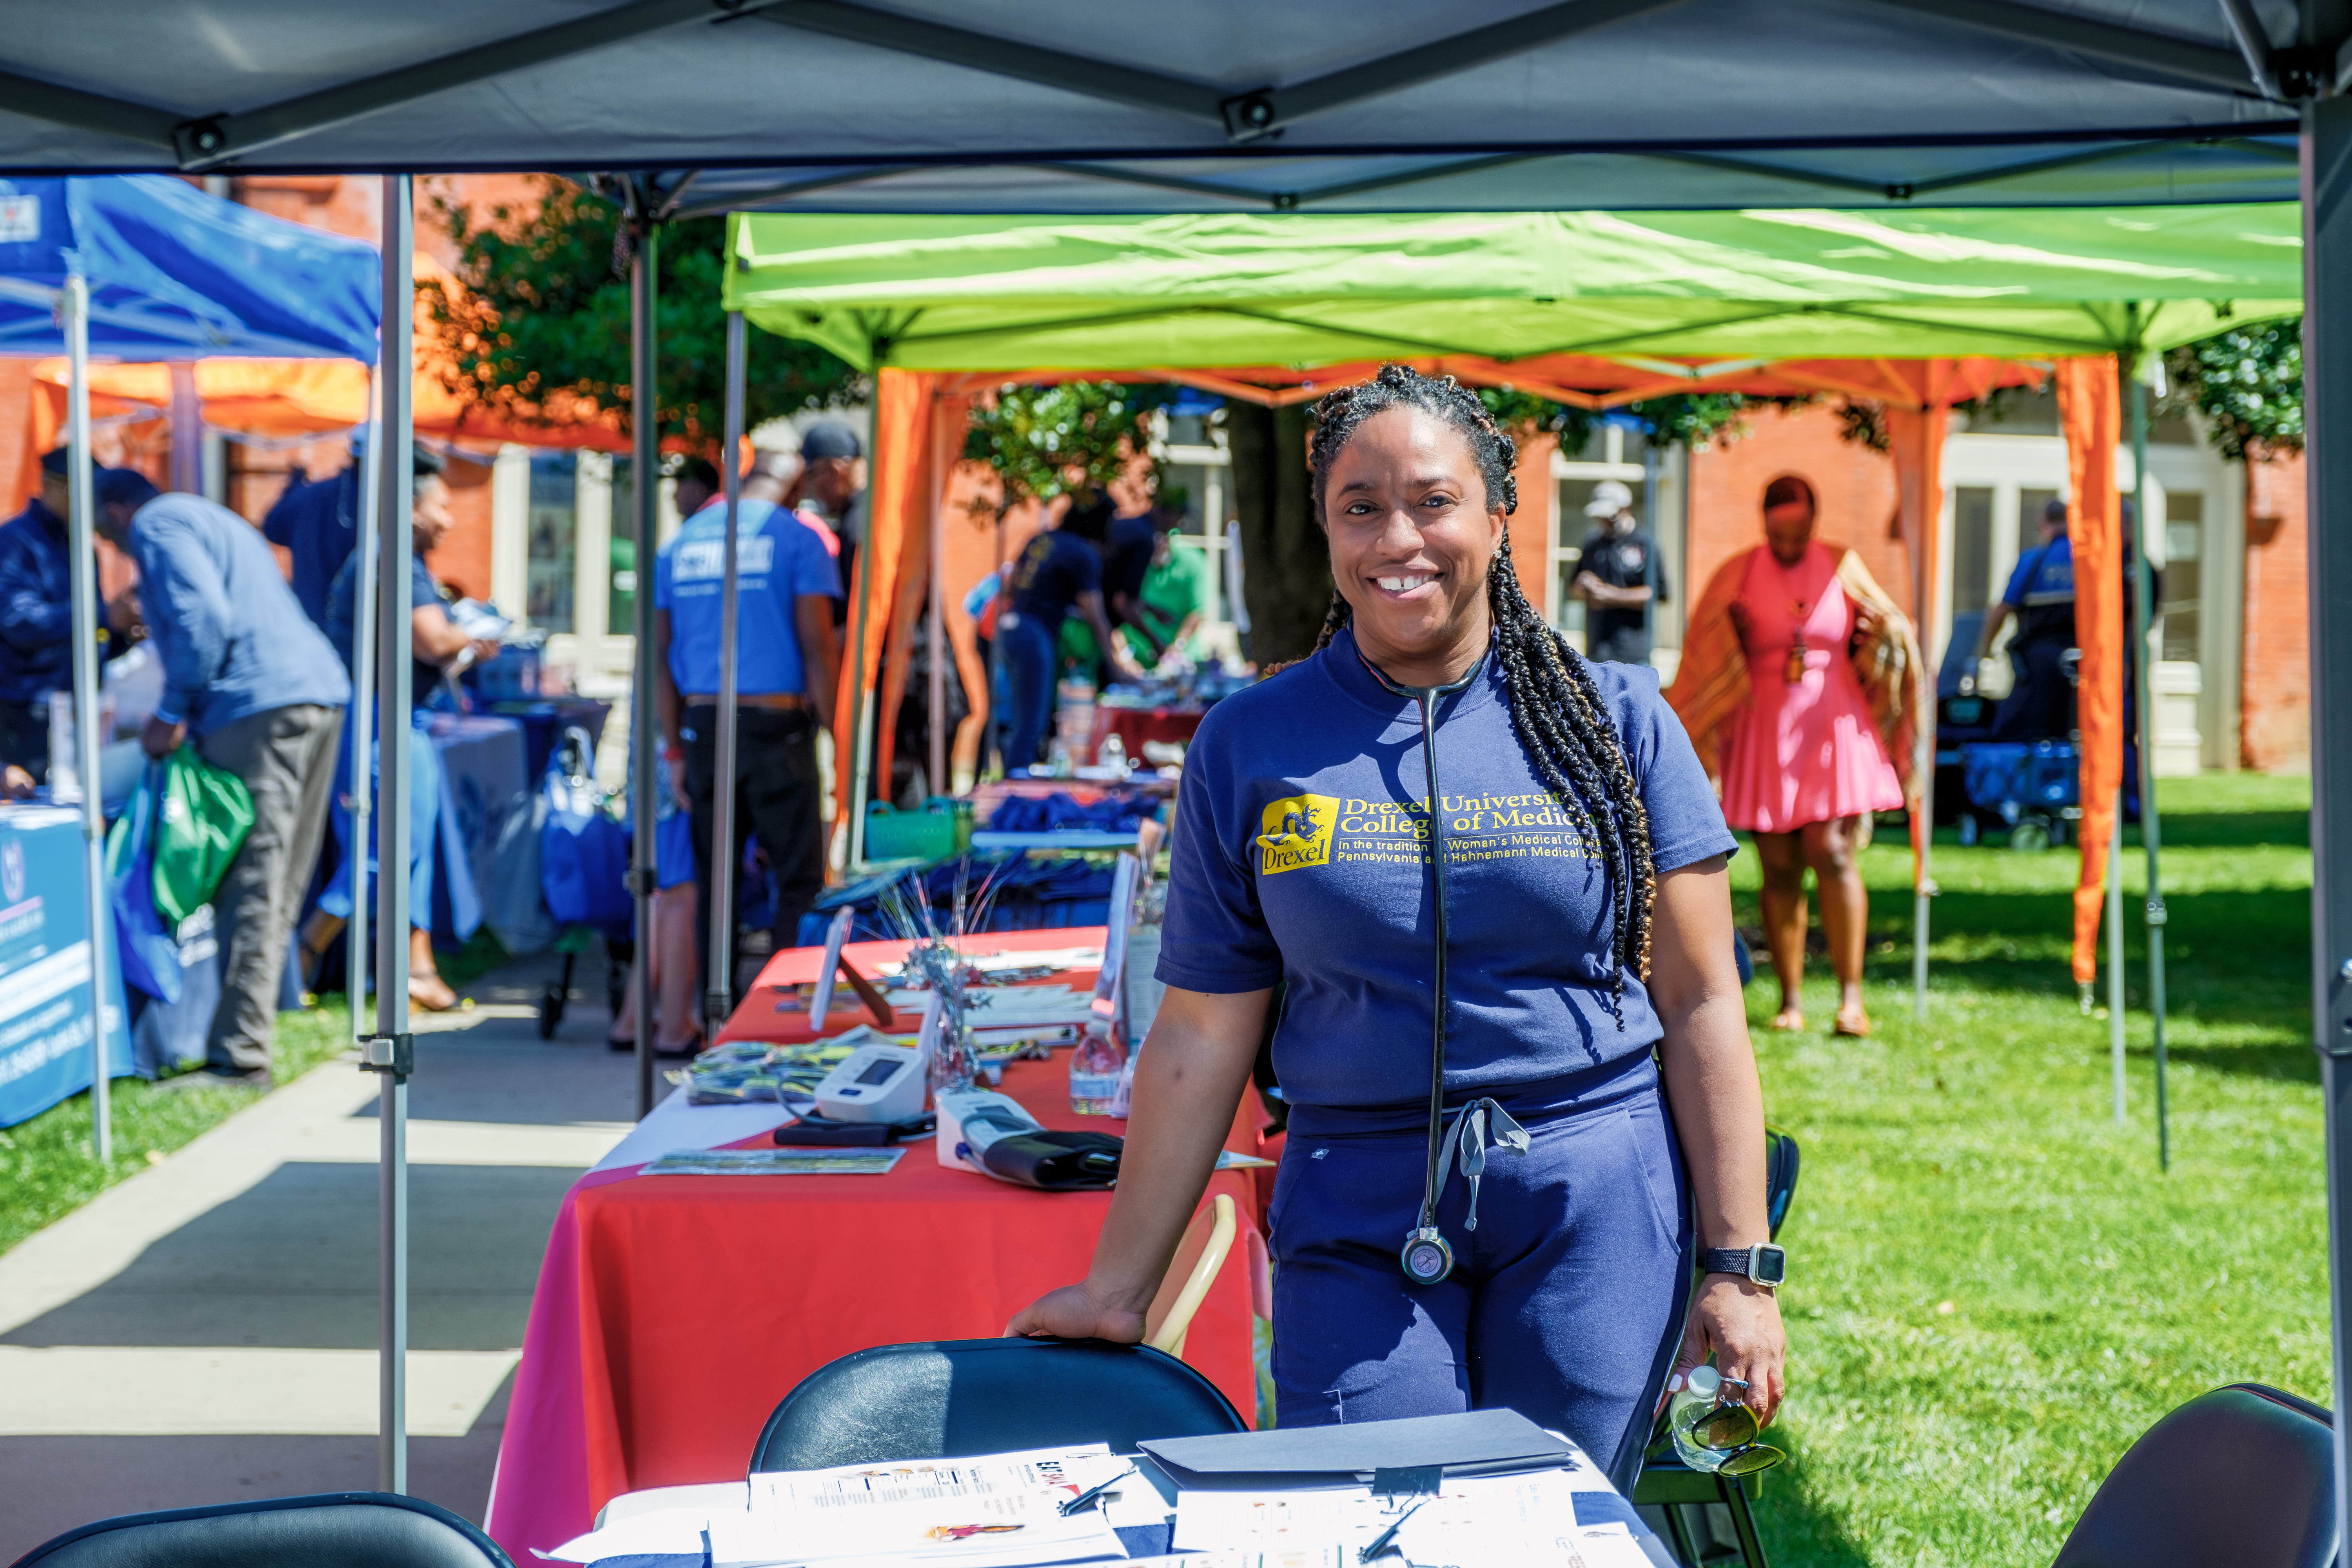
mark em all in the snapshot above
pixel 45 965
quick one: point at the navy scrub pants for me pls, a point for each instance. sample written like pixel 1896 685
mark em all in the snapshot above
pixel 1031 666
pixel 1565 1304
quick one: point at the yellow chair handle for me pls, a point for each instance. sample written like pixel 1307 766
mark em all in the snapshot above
pixel 1222 1230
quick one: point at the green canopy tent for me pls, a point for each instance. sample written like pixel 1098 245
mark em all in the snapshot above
pixel 1597 308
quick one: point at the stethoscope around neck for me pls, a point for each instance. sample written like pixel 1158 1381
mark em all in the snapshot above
pixel 1426 1257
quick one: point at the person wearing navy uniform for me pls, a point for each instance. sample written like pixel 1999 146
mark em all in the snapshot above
pixel 787 662
pixel 1059 572
pixel 317 524
pixel 1554 944
pixel 36 620
pixel 2040 599
pixel 1619 577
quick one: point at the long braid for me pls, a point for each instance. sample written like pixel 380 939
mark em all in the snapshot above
pixel 1563 723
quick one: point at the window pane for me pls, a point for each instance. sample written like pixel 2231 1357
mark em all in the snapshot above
pixel 2184 546
pixel 554 531
pixel 622 599
pixel 1971 548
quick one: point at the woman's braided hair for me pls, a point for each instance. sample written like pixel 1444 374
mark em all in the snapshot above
pixel 1563 725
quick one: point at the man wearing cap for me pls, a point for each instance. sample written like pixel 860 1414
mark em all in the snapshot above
pixel 832 487
pixel 36 620
pixel 260 692
pixel 1619 577
pixel 2040 598
pixel 786 666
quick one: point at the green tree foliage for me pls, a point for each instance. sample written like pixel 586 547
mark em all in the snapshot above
pixel 546 311
pixel 1696 419
pixel 2248 383
pixel 1078 436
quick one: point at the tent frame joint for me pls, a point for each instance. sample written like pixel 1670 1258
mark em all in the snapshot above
pixel 394 1054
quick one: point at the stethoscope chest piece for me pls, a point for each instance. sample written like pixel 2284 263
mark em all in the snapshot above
pixel 1426 1257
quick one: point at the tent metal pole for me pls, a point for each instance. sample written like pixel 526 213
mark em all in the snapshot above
pixel 81 532
pixel 2150 834
pixel 362 717
pixel 2328 360
pixel 391 1052
pixel 2115 951
pixel 719 997
pixel 1925 575
pixel 644 425
pixel 936 637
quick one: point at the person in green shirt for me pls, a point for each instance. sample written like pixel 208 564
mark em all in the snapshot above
pixel 1166 610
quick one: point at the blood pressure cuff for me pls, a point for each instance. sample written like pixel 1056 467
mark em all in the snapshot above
pixel 1055 1161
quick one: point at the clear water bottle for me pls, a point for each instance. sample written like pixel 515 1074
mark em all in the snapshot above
pixel 1097 1064
pixel 1686 1417
pixel 1113 754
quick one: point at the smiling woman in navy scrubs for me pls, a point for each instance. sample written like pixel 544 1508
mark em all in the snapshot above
pixel 1588 949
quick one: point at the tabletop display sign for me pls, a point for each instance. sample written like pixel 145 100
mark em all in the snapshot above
pixel 45 1023
pixel 1123 884
pixel 836 935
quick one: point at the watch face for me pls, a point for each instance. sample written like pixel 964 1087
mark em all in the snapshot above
pixel 1772 1266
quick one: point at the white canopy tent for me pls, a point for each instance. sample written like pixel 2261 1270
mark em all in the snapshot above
pixel 1206 105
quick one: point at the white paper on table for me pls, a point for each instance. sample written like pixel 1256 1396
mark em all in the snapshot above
pixel 658 1532
pixel 1611 1546
pixel 985 1512
pixel 1298 1557
pixel 710 1496
pixel 1493 1522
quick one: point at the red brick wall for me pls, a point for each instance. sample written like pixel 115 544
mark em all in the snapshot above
pixel 2274 704
pixel 1856 487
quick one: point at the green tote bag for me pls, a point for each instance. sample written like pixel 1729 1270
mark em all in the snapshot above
pixel 208 812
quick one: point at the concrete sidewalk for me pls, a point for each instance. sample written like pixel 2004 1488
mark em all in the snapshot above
pixel 207 1331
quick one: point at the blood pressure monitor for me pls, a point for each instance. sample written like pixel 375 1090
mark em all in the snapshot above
pixel 875 1083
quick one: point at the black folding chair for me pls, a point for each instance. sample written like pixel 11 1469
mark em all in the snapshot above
pixel 1688 1498
pixel 2243 1474
pixel 953 1398
pixel 335 1530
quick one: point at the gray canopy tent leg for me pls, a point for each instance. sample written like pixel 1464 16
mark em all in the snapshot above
pixel 83 584
pixel 2327 364
pixel 645 424
pixel 719 995
pixel 392 1050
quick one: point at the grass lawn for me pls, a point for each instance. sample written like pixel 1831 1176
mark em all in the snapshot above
pixel 1994 1292
pixel 47 1164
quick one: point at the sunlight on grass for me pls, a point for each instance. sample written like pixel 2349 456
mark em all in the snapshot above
pixel 1993 1290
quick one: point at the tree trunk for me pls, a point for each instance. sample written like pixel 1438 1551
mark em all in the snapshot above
pixel 1286 561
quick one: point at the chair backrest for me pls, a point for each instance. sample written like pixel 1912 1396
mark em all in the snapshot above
pixel 1199 1255
pixel 336 1530
pixel 1779 1177
pixel 2242 1476
pixel 952 1398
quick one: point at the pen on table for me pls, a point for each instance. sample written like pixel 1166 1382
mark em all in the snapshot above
pixel 1092 1492
pixel 1381 1541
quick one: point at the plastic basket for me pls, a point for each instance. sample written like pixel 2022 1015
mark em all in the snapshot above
pixel 941 828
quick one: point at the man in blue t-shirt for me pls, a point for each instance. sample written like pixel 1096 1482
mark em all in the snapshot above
pixel 2040 598
pixel 316 522
pixel 786 665
pixel 1059 570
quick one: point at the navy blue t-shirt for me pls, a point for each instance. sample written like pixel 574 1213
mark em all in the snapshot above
pixel 2041 591
pixel 1298 854
pixel 1049 575
pixel 343 622
pixel 318 524
pixel 1127 556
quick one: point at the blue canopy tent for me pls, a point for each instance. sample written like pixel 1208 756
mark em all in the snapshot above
pixel 147 266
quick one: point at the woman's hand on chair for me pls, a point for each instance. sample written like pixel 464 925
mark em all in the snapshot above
pixel 1073 1313
pixel 1740 1323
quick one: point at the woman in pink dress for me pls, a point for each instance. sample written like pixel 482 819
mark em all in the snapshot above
pixel 1792 685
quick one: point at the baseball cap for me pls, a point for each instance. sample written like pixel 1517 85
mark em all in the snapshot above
pixel 830 440
pixel 1609 498
pixel 124 487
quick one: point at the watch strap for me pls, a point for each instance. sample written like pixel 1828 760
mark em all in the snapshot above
pixel 1733 1260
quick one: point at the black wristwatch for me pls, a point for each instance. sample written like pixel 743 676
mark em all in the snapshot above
pixel 1763 1264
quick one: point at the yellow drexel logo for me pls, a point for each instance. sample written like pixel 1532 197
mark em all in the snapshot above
pixel 1297 831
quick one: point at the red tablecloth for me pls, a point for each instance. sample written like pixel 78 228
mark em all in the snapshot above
pixel 673 1313
pixel 1133 726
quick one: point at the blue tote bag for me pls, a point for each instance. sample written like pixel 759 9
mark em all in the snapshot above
pixel 149 946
